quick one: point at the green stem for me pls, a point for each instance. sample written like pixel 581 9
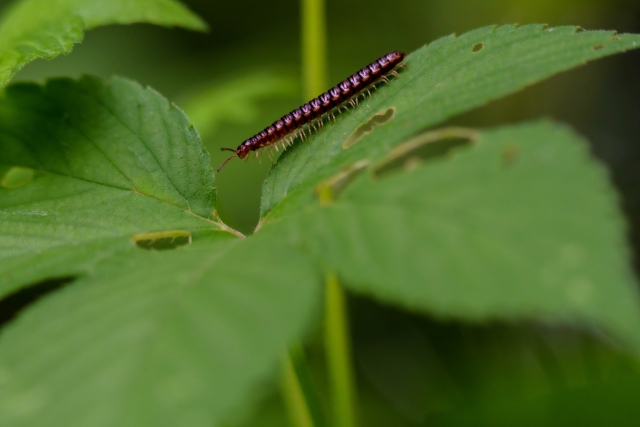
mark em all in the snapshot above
pixel 339 354
pixel 314 66
pixel 314 52
pixel 299 395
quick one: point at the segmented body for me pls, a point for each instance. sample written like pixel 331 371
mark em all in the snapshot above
pixel 289 124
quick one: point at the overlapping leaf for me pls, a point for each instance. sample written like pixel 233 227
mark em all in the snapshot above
pixel 470 237
pixel 33 29
pixel 521 223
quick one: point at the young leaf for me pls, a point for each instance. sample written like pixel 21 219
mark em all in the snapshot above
pixel 107 163
pixel 520 224
pixel 447 77
pixel 33 29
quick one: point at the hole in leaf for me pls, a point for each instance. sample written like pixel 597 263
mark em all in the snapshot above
pixel 17 176
pixel 424 147
pixel 328 189
pixel 366 128
pixel 598 47
pixel 477 47
pixel 162 240
pixel 13 304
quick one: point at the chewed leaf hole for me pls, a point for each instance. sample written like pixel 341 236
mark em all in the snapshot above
pixel 598 47
pixel 477 47
pixel 367 127
pixel 13 304
pixel 162 240
pixel 17 176
pixel 425 147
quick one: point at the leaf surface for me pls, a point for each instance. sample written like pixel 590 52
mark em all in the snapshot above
pixel 447 77
pixel 520 224
pixel 33 29
pixel 108 162
pixel 162 338
pixel 93 175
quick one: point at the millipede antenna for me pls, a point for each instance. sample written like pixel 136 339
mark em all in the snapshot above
pixel 226 161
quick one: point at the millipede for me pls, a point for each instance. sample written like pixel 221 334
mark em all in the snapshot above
pixel 290 125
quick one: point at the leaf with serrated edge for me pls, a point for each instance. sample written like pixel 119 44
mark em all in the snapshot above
pixel 110 161
pixel 158 338
pixel 523 224
pixel 447 77
pixel 141 337
pixel 33 29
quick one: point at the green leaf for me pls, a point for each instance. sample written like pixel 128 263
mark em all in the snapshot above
pixel 108 162
pixel 33 29
pixel 93 177
pixel 161 338
pixel 521 224
pixel 447 77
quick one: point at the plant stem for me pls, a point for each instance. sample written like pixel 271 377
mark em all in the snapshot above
pixel 300 398
pixel 314 66
pixel 338 350
pixel 301 401
pixel 314 55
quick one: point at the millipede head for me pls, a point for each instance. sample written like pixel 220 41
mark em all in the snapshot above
pixel 244 150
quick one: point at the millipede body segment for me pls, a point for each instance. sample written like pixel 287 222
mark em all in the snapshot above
pixel 289 124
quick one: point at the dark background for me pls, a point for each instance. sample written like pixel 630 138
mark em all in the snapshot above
pixel 412 370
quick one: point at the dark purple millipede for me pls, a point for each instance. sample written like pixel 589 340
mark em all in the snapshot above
pixel 292 124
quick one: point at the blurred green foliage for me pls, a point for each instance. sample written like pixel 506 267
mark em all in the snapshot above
pixel 413 371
